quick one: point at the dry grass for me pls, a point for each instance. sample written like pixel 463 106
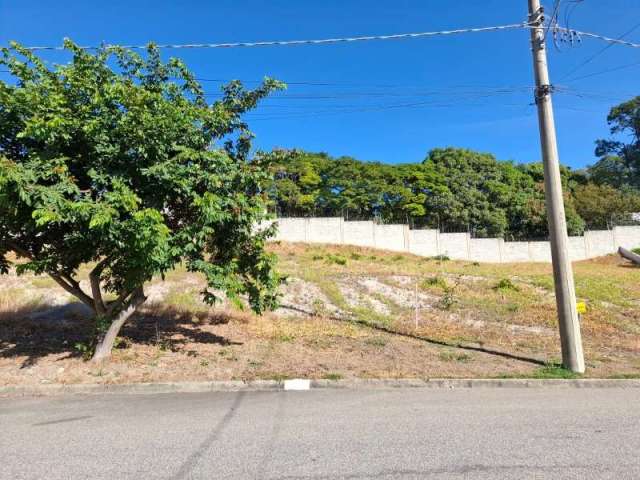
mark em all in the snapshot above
pixel 347 312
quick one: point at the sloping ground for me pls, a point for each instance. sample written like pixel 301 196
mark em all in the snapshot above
pixel 345 312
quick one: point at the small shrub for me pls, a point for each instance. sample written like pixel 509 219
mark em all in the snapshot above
pixel 435 281
pixel 332 376
pixel 441 258
pixel 397 258
pixel 337 259
pixel 317 256
pixel 449 299
pixel 636 250
pixel 356 256
pixel 505 284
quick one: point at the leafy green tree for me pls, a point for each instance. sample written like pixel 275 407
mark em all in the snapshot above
pixel 114 160
pixel 489 197
pixel 619 163
pixel 534 216
pixel 601 205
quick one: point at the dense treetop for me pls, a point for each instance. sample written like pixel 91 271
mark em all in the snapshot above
pixel 118 161
pixel 455 189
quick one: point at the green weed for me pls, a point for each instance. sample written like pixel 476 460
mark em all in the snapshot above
pixel 506 284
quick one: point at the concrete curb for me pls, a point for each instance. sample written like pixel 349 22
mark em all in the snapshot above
pixel 274 385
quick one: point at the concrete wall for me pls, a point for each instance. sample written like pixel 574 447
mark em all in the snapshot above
pixel 392 237
pixel 599 243
pixel 424 242
pixel 513 252
pixel 325 230
pixel 626 237
pixel 454 245
pixel 485 249
pixel 457 246
pixel 358 233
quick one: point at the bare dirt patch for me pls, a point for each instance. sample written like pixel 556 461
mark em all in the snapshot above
pixel 357 319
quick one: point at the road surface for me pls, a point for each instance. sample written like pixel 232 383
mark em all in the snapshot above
pixel 325 434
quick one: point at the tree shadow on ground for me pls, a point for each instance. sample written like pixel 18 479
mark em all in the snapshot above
pixel 36 332
pixel 433 341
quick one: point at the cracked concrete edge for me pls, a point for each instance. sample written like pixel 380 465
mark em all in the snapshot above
pixel 277 385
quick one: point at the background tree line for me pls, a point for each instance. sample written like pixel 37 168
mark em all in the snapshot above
pixel 459 189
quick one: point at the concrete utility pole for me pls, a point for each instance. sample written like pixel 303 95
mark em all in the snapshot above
pixel 570 338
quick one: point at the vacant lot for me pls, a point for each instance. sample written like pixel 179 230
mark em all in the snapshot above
pixel 345 312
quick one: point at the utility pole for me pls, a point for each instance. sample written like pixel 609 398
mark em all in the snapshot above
pixel 570 338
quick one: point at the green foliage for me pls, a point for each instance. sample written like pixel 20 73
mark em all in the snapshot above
pixel 449 298
pixel 316 184
pixel 337 259
pixel 554 371
pixel 505 284
pixel 619 163
pixel 603 204
pixel 435 281
pixel 455 188
pixel 117 158
pixel 636 250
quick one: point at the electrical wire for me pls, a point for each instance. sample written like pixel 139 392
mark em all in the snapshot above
pixel 599 52
pixel 613 41
pixel 323 41
pixel 603 72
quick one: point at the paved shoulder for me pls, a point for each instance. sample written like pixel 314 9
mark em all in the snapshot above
pixel 326 434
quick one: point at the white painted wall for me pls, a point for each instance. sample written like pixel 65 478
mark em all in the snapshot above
pixel 358 233
pixel 325 230
pixel 457 246
pixel 424 242
pixel 627 237
pixel 392 237
pixel 513 252
pixel 599 242
pixel 485 250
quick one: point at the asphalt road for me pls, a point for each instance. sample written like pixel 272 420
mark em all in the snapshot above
pixel 382 434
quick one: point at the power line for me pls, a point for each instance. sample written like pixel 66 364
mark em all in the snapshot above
pixel 614 41
pixel 599 52
pixel 323 41
pixel 602 72
pixel 554 17
pixel 399 36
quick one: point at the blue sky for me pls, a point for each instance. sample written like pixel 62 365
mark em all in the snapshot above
pixel 390 101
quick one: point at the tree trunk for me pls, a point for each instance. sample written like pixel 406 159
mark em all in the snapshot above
pixel 105 340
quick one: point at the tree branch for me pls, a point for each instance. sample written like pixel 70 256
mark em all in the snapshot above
pixel 65 281
pixel 117 304
pixel 75 291
pixel 94 278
